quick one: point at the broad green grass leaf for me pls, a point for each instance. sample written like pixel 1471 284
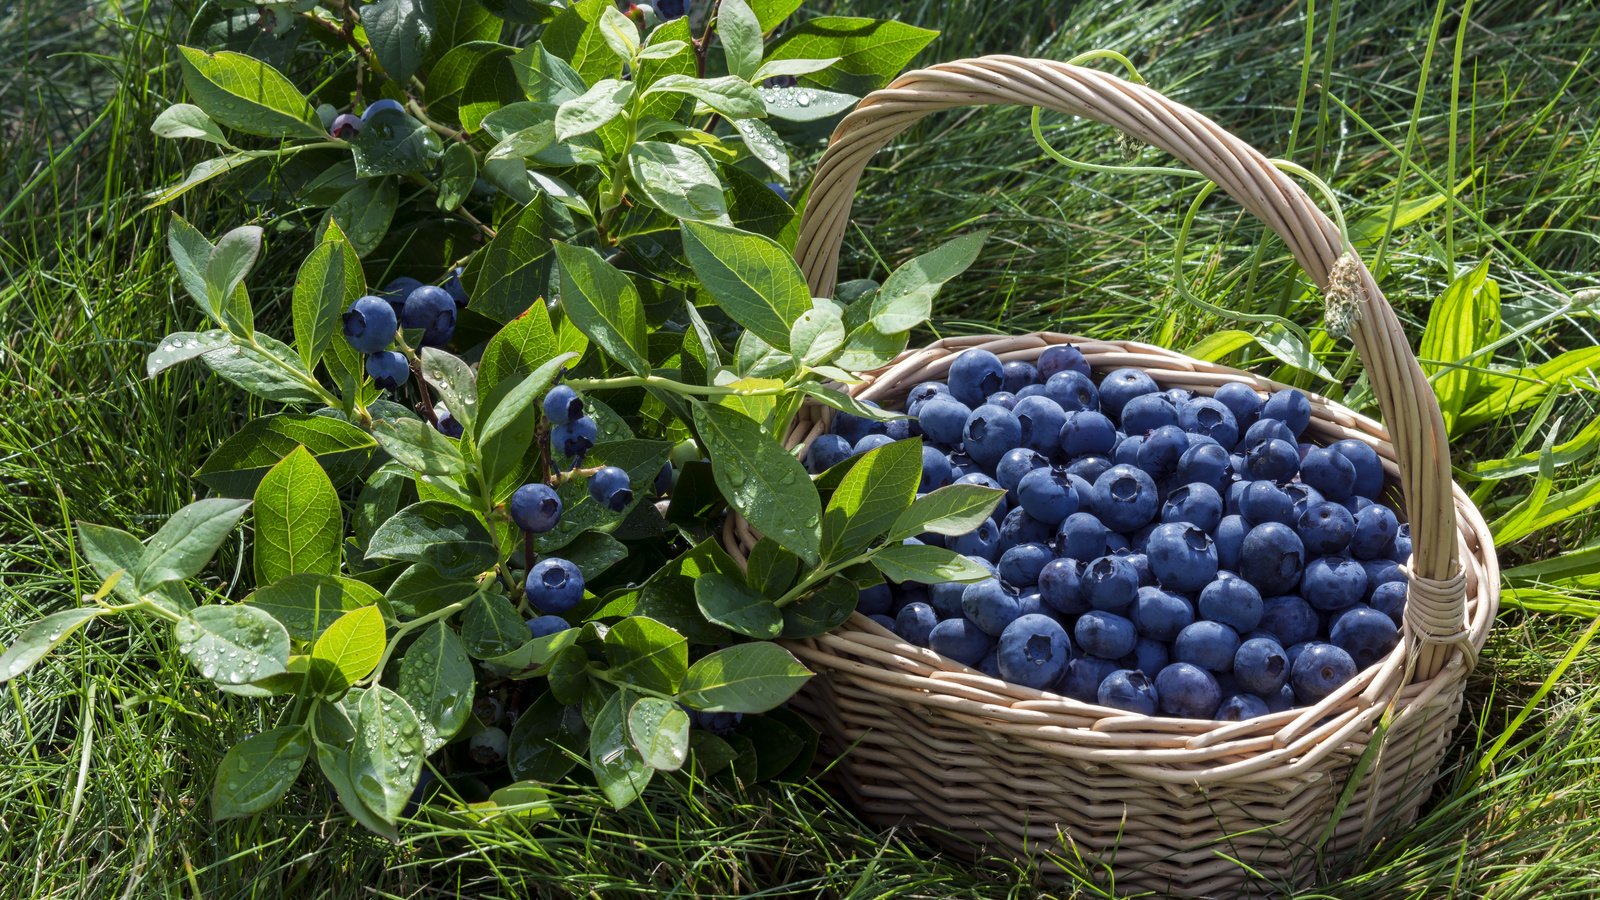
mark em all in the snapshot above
pixel 678 181
pixel 659 730
pixel 437 680
pixel 604 303
pixel 880 487
pixel 399 32
pixel 232 644
pixel 906 298
pixel 40 638
pixel 876 49
pixel 298 525
pixel 646 653
pixel 350 646
pixel 1465 318
pixel 761 480
pixel 237 467
pixel 1523 388
pixel 386 757
pixel 953 509
pixel 754 280
pixel 618 768
pixel 307 604
pixel 188 540
pixel 1220 344
pixel 258 771
pixel 328 282
pixel 735 606
pixel 248 95
pixel 926 565
pixel 1543 509
pixel 744 678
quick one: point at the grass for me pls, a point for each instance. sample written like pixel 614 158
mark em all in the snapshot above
pixel 110 745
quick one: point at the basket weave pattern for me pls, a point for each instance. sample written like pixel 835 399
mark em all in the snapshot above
pixel 1155 803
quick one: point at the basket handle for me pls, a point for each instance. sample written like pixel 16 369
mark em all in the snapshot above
pixel 1436 608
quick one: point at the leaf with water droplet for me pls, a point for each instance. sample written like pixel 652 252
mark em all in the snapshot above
pixel 750 469
pixel 259 770
pixel 209 634
pixel 436 679
pixel 388 751
pixel 40 638
pixel 348 650
pixel 618 766
pixel 183 346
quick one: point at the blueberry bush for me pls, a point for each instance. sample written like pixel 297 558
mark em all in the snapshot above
pixel 482 499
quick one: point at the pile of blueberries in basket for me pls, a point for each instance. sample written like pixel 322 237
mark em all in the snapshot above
pixel 1157 551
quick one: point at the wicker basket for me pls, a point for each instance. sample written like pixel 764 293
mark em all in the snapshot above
pixel 1174 806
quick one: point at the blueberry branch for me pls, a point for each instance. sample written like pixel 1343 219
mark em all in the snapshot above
pixel 408 627
pixel 654 381
pixel 425 399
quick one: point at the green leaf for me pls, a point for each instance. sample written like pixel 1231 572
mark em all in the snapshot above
pixel 203 171
pixel 619 32
pixel 184 120
pixel 732 97
pixel 191 251
pixel 445 537
pixel 232 644
pixel 599 105
pixel 1291 351
pixel 421 590
pixel 604 304
pixel 458 173
pixel 399 32
pixel 491 627
pixel 1220 344
pixel 1464 319
pixel 754 280
pixel 335 765
pixel 765 145
pixel 1579 447
pixel 950 510
pixel 770 568
pixel 732 604
pixel 454 382
pixel 386 758
pixel 575 35
pixel 230 261
pixel 906 298
pixel 822 610
pixel 678 181
pixel 508 429
pixel 1542 509
pixel 761 480
pixel 545 77
pixel 867 348
pixel 803 104
pixel 258 771
pixel 664 50
pixel 659 730
pixel 348 649
pixel 1528 386
pixel 40 638
pixel 393 143
pixel 646 653
pixel 744 678
pixel 307 604
pixel 742 41
pixel 248 95
pixel 365 212
pixel 419 446
pixel 187 541
pixel 878 488
pixel 771 13
pixel 328 282
pixel 510 274
pixel 618 768
pixel 438 682
pixel 235 468
pixel 182 346
pixel 792 68
pixel 875 49
pixel 817 335
pixel 517 350
pixel 926 564
pixel 469 82
pixel 547 740
pixel 298 522
pixel 265 372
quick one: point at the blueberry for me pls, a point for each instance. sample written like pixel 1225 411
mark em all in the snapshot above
pixel 1128 689
pixel 1282 700
pixel 1289 618
pixel 1325 528
pixel 544 626
pixel 1106 634
pixel 1178 396
pixel 1088 468
pixel 1240 707
pixel 1110 583
pixel 1161 450
pixel 1033 651
pixel 448 424
pixel 454 287
pixel 1073 392
pixel 1016 375
pixel 1376 528
pixel 1002 399
pixel 388 369
pixel 1041 419
pixel 1319 671
pixel 825 452
pixel 1147 412
pixel 901 429
pixel 1304 496
pixel 1188 691
pixel 380 106
pixel 1198 504
pixel 1082 536
pixel 1272 558
pixel 1232 601
pixel 1031 604
pixel 1021 565
pixel 960 639
pixel 1267 430
pixel 554 586
pixel 1369 468
pixel 487 747
pixel 1060 587
pixel 575 438
pixel 974 375
pixel 609 487
pixel 945 598
pixel 1204 464
pixel 1141 567
pixel 1083 676
pixel 662 484
pixel 1123 385
pixel 915 622
pixel 1401 552
pixel 1160 614
pixel 535 507
pixel 1261 666
pixel 989 432
pixel 1125 498
pixel 990 665
pixel 1333 582
pixel 1241 400
pixel 1272 460
pixel 991 605
pixel 853 428
pixel 1329 472
pixel 1290 407
pixel 922 393
pixel 1365 633
pixel 874 600
pixel 1086 433
pixel 943 419
pixel 1380 572
pixel 982 542
pixel 1119 544
pixel 1210 645
pixel 1127 452
pixel 1020 528
pixel 345 127
pixel 1229 539
pixel 869 443
pixel 1015 464
pixel 562 405
pixel 433 310
pixel 1210 417
pixel 1263 501
pixel 1148 656
pixel 1182 556
pixel 1061 358
pixel 1048 495
pixel 1389 598
pixel 369 324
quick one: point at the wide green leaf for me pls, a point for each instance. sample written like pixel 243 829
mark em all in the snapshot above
pixel 771 13
pixel 744 678
pixel 742 41
pixel 40 638
pixel 248 95
pixel 232 644
pixel 419 446
pixel 491 627
pixel 328 281
pixel 298 523
pixel 731 97
pixel 437 680
pixel 188 540
pixel 926 564
pixel 547 740
pixel 471 81
pixel 453 381
pixel 458 173
pixel 874 49
pixel 770 568
pixel 512 272
pixel 264 370
pixel 348 649
pixel 523 345
pixel 646 653
pixel 591 111
pixel 256 772
pixel 906 298
pixel 761 480
pixel 235 468
pixel 737 607
pixel 182 346
pixel 387 755
pixel 950 510
pixel 393 143
pixel 878 488
pixel 604 304
pixel 334 761
pixel 446 537
pixel 678 181
pixel 820 610
pixel 420 590
pixel 1525 387
pixel 659 730
pixel 618 768
pixel 754 280
pixel 765 146
pixel 641 459
pixel 185 120
pixel 575 35
pixel 307 604
pixel 804 104
pixel 399 32
pixel 546 77
pixel 365 211
pixel 816 336
pixel 507 431
pixel 111 549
